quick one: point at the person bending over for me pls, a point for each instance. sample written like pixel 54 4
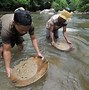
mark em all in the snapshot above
pixel 58 21
pixel 14 26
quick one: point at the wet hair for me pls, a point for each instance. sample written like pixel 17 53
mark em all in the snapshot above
pixel 22 17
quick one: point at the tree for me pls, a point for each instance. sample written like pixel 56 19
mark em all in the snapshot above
pixel 83 5
pixel 73 4
pixel 59 4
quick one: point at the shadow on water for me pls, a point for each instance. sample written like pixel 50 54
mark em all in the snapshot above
pixel 67 70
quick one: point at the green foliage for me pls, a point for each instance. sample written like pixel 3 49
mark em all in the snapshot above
pixel 22 1
pixel 12 4
pixel 39 4
pixel 73 4
pixel 59 4
pixel 7 4
pixel 80 5
pixel 56 6
pixel 83 6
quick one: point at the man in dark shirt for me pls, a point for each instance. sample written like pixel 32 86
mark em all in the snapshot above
pixel 55 22
pixel 14 26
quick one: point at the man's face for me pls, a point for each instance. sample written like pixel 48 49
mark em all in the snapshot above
pixel 21 28
pixel 61 20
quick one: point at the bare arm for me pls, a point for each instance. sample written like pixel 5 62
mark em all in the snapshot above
pixel 52 34
pixel 7 57
pixel 35 44
pixel 65 35
pixel 34 41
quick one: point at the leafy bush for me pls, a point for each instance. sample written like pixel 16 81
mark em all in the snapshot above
pixel 22 1
pixel 73 4
pixel 59 4
pixel 83 6
pixel 12 4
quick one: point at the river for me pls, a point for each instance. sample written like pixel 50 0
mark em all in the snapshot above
pixel 67 70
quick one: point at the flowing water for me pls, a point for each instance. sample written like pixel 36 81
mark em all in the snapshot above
pixel 67 70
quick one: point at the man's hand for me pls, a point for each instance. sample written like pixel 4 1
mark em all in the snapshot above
pixel 70 44
pixel 53 44
pixel 40 55
pixel 8 70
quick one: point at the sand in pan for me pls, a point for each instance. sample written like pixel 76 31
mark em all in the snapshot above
pixel 29 71
pixel 25 69
pixel 62 46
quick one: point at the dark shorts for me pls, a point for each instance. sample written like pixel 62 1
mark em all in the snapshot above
pixel 48 34
pixel 16 41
